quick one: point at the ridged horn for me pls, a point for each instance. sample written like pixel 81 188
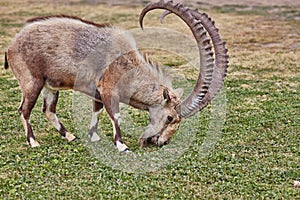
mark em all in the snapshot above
pixel 211 74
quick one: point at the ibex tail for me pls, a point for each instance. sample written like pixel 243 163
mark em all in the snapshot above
pixel 5 61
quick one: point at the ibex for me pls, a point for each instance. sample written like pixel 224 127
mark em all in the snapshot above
pixel 62 52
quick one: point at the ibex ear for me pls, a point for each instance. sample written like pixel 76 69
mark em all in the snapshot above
pixel 166 96
pixel 179 92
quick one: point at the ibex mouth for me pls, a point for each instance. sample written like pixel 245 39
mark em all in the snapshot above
pixel 152 141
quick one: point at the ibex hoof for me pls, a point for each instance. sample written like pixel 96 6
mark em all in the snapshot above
pixel 94 137
pixel 126 151
pixel 33 143
pixel 70 137
pixel 122 148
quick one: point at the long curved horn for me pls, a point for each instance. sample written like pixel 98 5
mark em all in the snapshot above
pixel 211 75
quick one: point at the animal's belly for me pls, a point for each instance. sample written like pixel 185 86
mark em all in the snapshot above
pixel 60 84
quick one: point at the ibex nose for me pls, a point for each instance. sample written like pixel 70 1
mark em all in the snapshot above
pixel 161 142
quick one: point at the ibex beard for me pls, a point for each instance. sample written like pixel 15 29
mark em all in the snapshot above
pixel 62 52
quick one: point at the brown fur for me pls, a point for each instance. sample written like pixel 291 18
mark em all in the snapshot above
pixel 70 17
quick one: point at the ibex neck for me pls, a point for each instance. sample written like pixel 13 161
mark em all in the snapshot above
pixel 147 95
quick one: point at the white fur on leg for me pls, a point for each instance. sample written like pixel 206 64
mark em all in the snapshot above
pixel 94 120
pixel 53 119
pixel 24 123
pixel 70 137
pixel 122 147
pixel 49 96
pixel 114 127
pixel 95 137
pixel 33 142
pixel 117 117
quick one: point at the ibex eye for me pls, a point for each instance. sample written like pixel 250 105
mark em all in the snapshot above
pixel 170 118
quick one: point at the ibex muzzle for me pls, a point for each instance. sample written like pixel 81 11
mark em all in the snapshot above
pixel 61 52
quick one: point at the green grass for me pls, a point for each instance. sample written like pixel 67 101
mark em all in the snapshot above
pixel 254 155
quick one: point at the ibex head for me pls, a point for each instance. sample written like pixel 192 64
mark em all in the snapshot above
pixel 165 118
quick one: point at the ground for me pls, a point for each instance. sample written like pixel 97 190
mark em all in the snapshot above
pixel 250 152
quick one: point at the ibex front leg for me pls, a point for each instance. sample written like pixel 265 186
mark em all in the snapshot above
pixel 112 108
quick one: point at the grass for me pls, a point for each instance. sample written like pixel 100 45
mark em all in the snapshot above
pixel 254 155
pixel 285 12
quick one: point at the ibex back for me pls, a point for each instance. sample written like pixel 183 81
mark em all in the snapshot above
pixel 61 52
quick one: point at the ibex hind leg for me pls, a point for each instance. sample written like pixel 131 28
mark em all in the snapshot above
pixel 30 92
pixel 50 98
pixel 97 109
